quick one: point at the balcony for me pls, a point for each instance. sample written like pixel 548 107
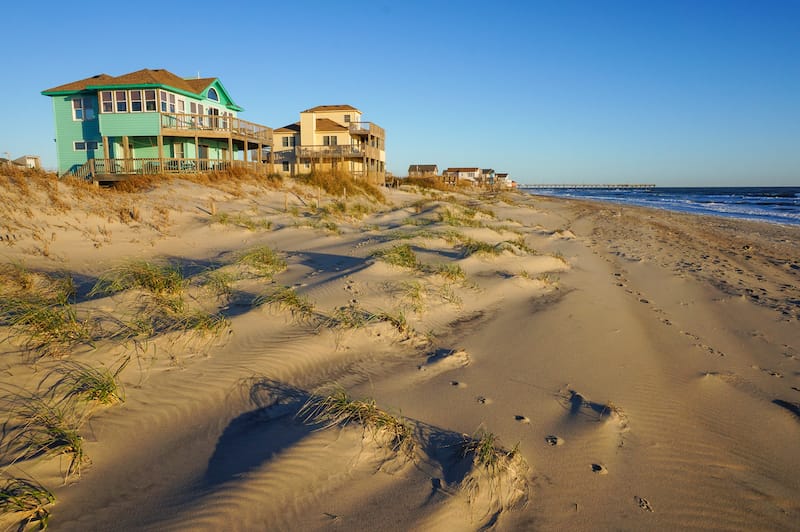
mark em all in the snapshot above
pixel 335 151
pixel 367 128
pixel 183 124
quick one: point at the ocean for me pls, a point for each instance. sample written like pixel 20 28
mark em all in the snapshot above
pixel 780 205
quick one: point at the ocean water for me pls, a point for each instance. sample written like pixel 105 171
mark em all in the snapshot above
pixel 779 205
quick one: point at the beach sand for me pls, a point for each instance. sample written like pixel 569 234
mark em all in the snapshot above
pixel 637 369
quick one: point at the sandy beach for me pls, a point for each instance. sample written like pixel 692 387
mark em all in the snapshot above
pixel 526 362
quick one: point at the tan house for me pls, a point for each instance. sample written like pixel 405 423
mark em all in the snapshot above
pixel 331 137
pixel 455 176
pixel 423 170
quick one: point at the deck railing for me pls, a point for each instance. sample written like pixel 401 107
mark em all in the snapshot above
pixel 330 151
pixel 229 124
pixel 97 169
pixel 364 128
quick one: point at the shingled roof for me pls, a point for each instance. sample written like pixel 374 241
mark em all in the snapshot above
pixel 342 107
pixel 140 77
pixel 290 128
pixel 326 124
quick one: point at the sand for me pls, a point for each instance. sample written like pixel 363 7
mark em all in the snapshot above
pixel 644 366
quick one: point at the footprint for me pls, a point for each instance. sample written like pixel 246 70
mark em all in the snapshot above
pixel 599 469
pixel 522 419
pixel 643 503
pixel 458 384
pixel 553 440
pixel 483 400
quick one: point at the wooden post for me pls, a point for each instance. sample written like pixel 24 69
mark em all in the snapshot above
pixel 285 202
pixel 319 197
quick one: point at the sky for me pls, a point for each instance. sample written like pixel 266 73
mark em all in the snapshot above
pixel 675 93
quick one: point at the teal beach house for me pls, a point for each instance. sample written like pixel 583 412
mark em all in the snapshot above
pixel 149 122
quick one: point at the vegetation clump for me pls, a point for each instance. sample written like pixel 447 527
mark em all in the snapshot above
pixel 19 495
pixel 400 255
pixel 338 409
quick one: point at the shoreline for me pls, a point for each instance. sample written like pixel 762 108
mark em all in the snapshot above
pixel 637 368
pixel 751 217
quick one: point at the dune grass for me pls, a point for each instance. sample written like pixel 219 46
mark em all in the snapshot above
pixel 84 382
pixel 239 219
pixel 449 271
pixel 18 495
pixel 264 260
pixel 165 280
pixel 41 426
pixel 339 183
pixel 45 327
pixel 286 298
pixel 338 409
pixel 399 255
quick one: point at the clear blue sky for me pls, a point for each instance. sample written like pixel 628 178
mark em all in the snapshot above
pixel 679 92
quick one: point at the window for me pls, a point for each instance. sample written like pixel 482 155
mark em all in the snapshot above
pixel 136 101
pixel 346 118
pixel 181 106
pixel 121 99
pixel 177 150
pixel 285 166
pixel 83 145
pixel 212 95
pixel 171 103
pixel 329 140
pixel 83 109
pixel 163 96
pixel 107 100
pixel 193 108
pixel 288 142
pixel 285 142
pixel 150 100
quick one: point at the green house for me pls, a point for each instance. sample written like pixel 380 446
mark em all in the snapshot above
pixel 152 121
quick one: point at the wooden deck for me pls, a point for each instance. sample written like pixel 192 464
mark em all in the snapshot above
pixel 107 170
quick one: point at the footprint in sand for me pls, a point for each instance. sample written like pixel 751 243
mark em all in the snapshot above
pixel 483 400
pixel 553 440
pixel 458 384
pixel 599 469
pixel 522 419
pixel 643 503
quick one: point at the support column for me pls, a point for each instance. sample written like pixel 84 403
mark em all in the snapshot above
pixel 160 140
pixel 126 154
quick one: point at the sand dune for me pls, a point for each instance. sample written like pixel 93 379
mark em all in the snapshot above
pixel 624 368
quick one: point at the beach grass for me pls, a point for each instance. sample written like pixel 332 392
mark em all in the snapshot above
pixel 45 327
pixel 45 427
pixel 399 255
pixel 163 280
pixel 339 409
pixel 87 383
pixel 264 260
pixel 287 298
pixel 29 498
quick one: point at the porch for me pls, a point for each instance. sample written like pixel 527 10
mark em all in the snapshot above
pixel 121 169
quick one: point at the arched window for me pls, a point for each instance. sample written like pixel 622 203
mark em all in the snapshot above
pixel 212 95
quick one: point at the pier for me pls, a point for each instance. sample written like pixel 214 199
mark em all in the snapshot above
pixel 605 186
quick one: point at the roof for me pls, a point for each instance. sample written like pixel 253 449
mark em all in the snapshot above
pixel 453 170
pixel 341 107
pixel 422 167
pixel 158 77
pixel 487 170
pixel 326 124
pixel 290 128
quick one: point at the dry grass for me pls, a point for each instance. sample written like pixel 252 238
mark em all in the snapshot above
pixel 338 409
pixel 340 183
